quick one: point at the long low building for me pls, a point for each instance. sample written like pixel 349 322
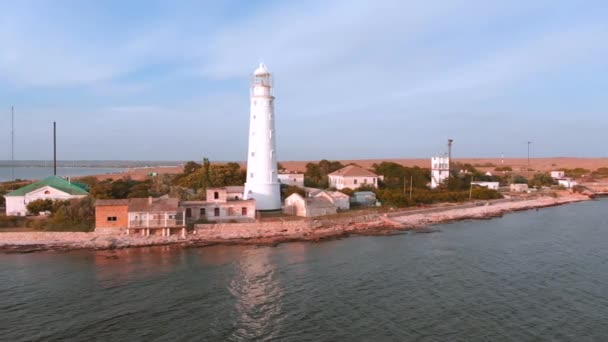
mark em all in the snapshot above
pixel 221 205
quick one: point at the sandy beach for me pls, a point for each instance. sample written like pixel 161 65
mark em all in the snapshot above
pixel 418 220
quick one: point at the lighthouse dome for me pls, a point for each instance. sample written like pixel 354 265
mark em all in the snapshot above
pixel 262 70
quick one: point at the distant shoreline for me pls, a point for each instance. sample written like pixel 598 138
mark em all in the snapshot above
pixel 380 224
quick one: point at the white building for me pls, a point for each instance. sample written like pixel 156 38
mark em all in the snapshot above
pixel 567 183
pixel 352 177
pixel 262 179
pixel 440 170
pixel 54 188
pixel 296 179
pixel 367 198
pixel 297 205
pixel 519 187
pixel 558 174
pixel 340 200
pixel 489 185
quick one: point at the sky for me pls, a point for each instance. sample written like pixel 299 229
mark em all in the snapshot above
pixel 354 79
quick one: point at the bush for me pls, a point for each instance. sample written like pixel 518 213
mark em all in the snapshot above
pixel 503 168
pixel 39 206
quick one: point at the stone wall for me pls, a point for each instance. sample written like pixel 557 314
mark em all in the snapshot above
pixel 277 228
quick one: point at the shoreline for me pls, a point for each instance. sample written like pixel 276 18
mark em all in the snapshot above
pixel 418 221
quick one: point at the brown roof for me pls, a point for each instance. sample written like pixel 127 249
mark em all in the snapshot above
pixel 153 204
pixel 353 171
pixel 111 202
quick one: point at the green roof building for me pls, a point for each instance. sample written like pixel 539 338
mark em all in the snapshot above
pixel 55 188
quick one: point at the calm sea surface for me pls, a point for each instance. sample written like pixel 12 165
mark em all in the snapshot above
pixel 43 172
pixel 530 276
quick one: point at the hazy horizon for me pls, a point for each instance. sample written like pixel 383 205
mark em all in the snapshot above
pixel 155 80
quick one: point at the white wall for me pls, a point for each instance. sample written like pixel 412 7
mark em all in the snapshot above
pixel 440 170
pixel 341 182
pixel 296 179
pixel 489 185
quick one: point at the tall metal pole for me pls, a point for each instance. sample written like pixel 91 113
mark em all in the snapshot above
pixel 471 189
pixel 12 143
pixel 411 186
pixel 54 149
pixel 528 173
pixel 450 141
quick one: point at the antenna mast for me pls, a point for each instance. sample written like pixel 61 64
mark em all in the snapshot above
pixel 12 143
pixel 54 149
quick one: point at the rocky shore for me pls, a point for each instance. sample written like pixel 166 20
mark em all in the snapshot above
pixel 419 220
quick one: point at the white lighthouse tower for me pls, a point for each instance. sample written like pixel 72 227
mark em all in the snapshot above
pixel 262 180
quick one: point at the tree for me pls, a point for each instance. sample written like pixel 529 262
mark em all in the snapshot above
pixel 316 174
pixel 541 179
pixel 288 190
pixel 39 206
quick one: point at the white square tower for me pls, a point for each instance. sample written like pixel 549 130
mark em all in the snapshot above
pixel 440 170
pixel 262 179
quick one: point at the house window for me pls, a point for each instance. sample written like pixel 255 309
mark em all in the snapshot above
pixel 46 192
pixel 111 218
pixel 244 211
pixel 216 212
pixel 365 181
pixel 216 195
pixel 374 180
pixel 355 181
pixel 172 217
pixel 203 212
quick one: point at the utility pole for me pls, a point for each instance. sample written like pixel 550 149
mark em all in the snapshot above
pixel 12 143
pixel 54 149
pixel 450 141
pixel 411 185
pixel 528 173
pixel 471 189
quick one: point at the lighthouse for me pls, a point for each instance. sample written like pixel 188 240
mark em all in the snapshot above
pixel 262 180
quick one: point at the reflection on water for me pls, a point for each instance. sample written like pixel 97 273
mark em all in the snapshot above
pixel 258 296
pixel 116 267
pixel 531 276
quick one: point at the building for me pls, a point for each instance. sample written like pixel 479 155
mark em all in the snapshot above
pixel 297 205
pixel 262 176
pixel 520 187
pixel 222 205
pixel 145 216
pixel 558 174
pixel 54 188
pixel 292 178
pixel 440 170
pixel 366 198
pixel 489 185
pixel 352 177
pixel 567 182
pixel 340 200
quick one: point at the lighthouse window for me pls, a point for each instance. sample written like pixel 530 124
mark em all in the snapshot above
pixel 255 102
pixel 253 154
pixel 251 175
